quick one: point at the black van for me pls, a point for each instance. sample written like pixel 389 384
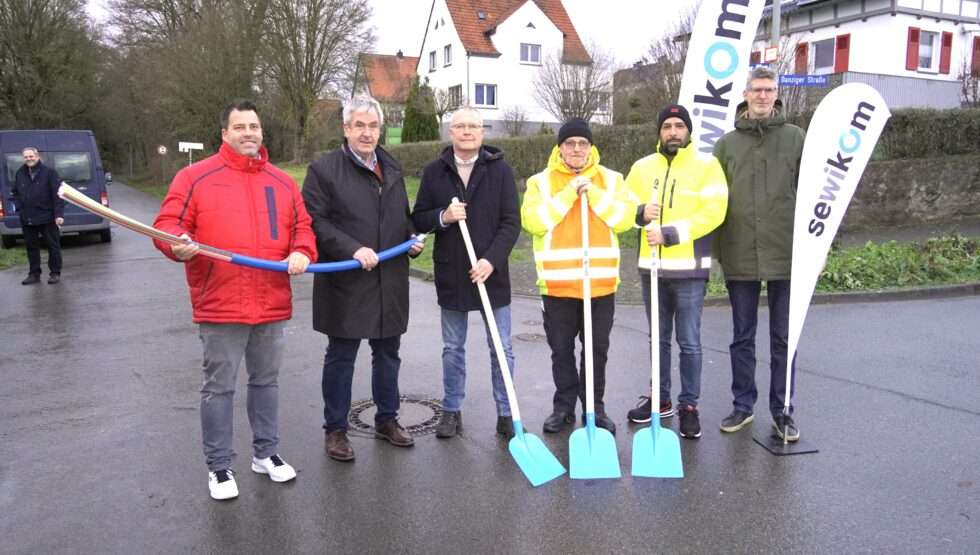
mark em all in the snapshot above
pixel 75 156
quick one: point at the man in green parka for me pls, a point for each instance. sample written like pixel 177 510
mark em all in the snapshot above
pixel 761 160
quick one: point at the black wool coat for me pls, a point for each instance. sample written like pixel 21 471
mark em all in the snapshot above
pixel 351 208
pixel 492 216
pixel 36 200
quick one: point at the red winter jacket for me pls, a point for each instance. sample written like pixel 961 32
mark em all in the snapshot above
pixel 247 206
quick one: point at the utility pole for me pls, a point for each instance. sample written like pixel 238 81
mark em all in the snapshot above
pixel 776 20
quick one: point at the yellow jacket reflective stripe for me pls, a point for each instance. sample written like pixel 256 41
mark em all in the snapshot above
pixel 551 215
pixel 693 197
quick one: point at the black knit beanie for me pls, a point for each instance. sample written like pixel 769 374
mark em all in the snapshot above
pixel 675 111
pixel 575 127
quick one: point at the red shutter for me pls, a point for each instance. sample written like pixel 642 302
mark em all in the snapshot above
pixel 843 53
pixel 945 53
pixel 912 50
pixel 975 69
pixel 802 52
pixel 756 57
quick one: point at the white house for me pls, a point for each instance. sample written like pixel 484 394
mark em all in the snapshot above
pixel 488 52
pixel 914 52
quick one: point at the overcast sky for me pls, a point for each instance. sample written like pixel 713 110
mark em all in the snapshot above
pixel 623 27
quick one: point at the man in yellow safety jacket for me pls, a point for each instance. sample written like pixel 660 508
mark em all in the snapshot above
pixel 683 194
pixel 551 213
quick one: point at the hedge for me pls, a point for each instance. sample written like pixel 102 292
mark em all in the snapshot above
pixel 910 133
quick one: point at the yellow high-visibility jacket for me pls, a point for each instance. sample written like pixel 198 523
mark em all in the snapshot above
pixel 693 197
pixel 551 213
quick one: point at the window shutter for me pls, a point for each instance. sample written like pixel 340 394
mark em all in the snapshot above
pixel 802 54
pixel 945 53
pixel 843 53
pixel 975 69
pixel 912 50
pixel 756 57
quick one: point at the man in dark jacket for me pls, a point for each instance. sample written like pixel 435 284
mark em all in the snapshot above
pixel 761 160
pixel 35 196
pixel 237 200
pixel 484 184
pixel 356 196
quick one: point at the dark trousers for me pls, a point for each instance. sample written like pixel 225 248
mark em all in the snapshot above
pixel 564 321
pixel 744 296
pixel 32 241
pixel 338 377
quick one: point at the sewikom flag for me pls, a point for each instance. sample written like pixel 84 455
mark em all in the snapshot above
pixel 717 66
pixel 842 135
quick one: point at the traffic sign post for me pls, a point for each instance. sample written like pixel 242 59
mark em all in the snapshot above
pixel 189 148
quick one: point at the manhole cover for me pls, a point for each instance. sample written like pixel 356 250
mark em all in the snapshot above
pixel 417 415
pixel 531 337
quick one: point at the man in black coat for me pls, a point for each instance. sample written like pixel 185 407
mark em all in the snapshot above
pixel 35 196
pixel 484 184
pixel 356 197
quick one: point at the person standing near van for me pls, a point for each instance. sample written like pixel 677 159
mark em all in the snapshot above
pixel 35 197
pixel 237 200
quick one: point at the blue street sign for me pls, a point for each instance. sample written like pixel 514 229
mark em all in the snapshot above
pixel 804 81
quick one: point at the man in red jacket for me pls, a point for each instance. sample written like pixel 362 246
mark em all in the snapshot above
pixel 236 200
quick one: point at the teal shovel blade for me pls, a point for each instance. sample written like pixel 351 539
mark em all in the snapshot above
pixel 533 458
pixel 592 453
pixel 657 453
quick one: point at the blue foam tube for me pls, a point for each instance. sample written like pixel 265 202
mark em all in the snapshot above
pixel 322 267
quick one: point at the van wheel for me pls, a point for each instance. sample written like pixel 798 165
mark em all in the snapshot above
pixel 9 241
pixel 105 236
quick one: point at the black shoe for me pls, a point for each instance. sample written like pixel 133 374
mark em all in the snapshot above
pixel 736 421
pixel 505 426
pixel 558 421
pixel 785 428
pixel 690 423
pixel 641 414
pixel 31 279
pixel 603 421
pixel 449 424
pixel 54 278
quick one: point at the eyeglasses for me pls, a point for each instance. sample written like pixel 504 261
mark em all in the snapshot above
pixel 469 126
pixel 760 90
pixel 361 126
pixel 570 143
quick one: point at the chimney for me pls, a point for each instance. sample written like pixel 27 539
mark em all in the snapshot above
pixel 399 54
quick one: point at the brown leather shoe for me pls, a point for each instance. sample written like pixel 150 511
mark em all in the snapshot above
pixel 394 433
pixel 338 446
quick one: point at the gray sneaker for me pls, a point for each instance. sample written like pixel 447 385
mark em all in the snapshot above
pixel 736 421
pixel 785 428
pixel 449 424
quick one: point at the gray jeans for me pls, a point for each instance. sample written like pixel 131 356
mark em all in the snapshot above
pixel 225 345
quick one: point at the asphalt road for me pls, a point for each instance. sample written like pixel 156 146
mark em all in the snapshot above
pixel 101 442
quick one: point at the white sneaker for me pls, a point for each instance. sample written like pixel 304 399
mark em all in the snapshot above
pixel 277 469
pixel 222 484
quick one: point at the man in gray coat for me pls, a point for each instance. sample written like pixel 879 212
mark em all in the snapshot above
pixel 356 197
pixel 761 160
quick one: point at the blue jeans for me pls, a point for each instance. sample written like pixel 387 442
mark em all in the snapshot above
pixel 454 325
pixel 744 296
pixel 338 377
pixel 681 303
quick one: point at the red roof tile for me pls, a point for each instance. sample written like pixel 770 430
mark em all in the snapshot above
pixel 388 78
pixel 475 33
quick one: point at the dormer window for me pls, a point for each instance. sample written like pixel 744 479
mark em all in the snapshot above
pixel 481 15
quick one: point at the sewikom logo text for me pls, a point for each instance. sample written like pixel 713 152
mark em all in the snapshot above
pixel 837 167
pixel 721 62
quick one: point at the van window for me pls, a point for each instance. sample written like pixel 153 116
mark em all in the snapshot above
pixel 71 166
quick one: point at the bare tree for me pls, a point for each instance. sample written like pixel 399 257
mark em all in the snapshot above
pixel 515 118
pixel 969 86
pixel 574 90
pixel 795 99
pixel 443 103
pixel 311 48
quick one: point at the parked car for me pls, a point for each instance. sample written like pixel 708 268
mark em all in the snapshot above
pixel 75 156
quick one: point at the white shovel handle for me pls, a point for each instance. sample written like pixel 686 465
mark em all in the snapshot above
pixel 587 308
pixel 492 324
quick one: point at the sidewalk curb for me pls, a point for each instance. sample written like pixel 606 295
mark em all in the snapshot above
pixel 872 296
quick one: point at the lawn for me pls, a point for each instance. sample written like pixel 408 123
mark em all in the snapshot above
pixel 12 257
